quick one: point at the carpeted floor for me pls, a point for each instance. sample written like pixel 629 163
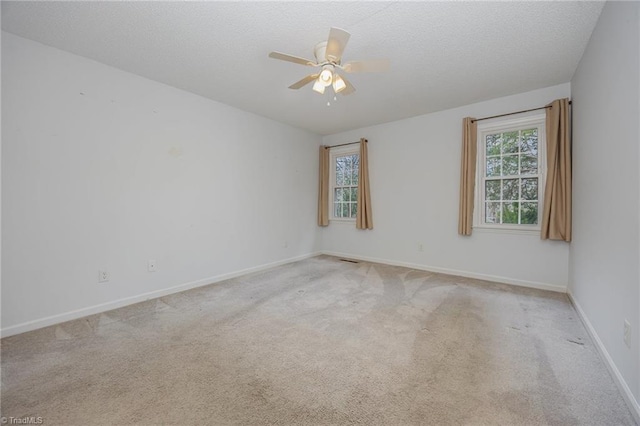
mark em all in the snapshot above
pixel 319 341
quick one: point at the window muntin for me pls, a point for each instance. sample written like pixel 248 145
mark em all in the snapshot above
pixel 510 174
pixel 345 165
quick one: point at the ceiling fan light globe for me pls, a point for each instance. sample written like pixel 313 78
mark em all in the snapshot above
pixel 338 84
pixel 326 77
pixel 318 86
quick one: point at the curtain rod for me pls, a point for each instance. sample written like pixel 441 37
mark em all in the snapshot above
pixel 512 113
pixel 344 144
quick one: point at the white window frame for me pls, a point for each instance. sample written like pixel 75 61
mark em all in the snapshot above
pixel 495 126
pixel 342 151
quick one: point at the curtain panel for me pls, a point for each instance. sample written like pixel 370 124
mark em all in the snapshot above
pixel 556 216
pixel 364 217
pixel 467 175
pixel 323 187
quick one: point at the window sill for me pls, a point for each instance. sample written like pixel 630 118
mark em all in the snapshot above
pixel 507 230
pixel 342 220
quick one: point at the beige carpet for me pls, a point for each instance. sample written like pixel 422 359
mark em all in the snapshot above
pixel 319 341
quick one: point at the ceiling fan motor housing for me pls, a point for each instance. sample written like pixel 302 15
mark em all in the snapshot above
pixel 320 52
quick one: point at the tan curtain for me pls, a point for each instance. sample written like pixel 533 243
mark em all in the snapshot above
pixel 467 175
pixel 364 218
pixel 323 187
pixel 556 216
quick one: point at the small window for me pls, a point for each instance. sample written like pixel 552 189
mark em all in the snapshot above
pixel 345 166
pixel 511 166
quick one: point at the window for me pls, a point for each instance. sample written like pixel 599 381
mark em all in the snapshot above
pixel 511 166
pixel 345 162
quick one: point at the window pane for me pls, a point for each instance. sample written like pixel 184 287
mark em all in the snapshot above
pixel 346 194
pixel 354 194
pixel 529 164
pixel 492 144
pixel 355 167
pixel 336 210
pixel 493 166
pixel 529 141
pixel 510 165
pixel 492 189
pixel 492 212
pixel 510 189
pixel 510 142
pixel 510 212
pixel 530 189
pixel 342 170
pixel 354 209
pixel 529 213
pixel 343 164
pixel 337 195
pixel 345 210
pixel 347 177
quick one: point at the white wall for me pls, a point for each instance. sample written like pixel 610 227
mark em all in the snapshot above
pixel 105 169
pixel 415 174
pixel 0 178
pixel 604 275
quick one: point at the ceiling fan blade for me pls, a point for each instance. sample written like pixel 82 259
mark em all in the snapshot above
pixel 349 89
pixel 291 58
pixel 372 65
pixel 308 79
pixel 335 45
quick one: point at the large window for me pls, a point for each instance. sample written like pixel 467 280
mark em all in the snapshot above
pixel 511 170
pixel 345 165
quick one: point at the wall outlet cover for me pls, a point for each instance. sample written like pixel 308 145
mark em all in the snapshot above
pixel 103 276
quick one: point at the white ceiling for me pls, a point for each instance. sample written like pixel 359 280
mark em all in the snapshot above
pixel 443 54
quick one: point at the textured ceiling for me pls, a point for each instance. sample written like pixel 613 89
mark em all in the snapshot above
pixel 443 54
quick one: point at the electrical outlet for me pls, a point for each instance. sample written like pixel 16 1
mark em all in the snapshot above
pixel 103 276
pixel 152 265
pixel 627 333
pixel 420 247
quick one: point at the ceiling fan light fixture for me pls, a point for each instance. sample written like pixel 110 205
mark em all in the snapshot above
pixel 326 76
pixel 328 58
pixel 318 86
pixel 338 83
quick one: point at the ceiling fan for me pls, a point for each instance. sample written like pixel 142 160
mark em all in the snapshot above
pixel 328 56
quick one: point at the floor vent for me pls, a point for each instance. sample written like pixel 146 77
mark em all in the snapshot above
pixel 349 260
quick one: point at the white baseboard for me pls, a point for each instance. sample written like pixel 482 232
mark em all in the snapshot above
pixel 103 307
pixel 632 403
pixel 494 278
